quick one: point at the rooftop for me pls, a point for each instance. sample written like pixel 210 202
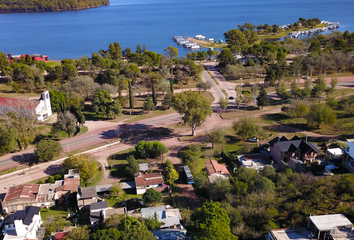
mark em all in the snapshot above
pixel 88 192
pixel 292 234
pixel 18 103
pixel 22 192
pixel 214 167
pixel 25 215
pixel 330 221
pixel 98 206
pixel 149 179
pixel 170 234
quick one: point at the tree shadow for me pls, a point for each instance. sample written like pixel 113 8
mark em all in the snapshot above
pixel 52 169
pixel 26 158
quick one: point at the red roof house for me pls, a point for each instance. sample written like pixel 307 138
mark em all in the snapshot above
pixel 148 180
pixel 216 170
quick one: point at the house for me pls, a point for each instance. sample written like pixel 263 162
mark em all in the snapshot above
pixel 348 159
pixel 216 170
pixel 19 197
pixel 98 212
pixel 60 235
pixel 170 217
pixel 332 226
pixel 69 185
pixel 334 153
pixel 144 181
pixel 40 110
pixel 46 194
pixel 256 161
pixel 23 224
pixel 86 196
pixel 294 153
pixel 38 57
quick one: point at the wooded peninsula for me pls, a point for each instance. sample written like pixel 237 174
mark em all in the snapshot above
pixel 48 5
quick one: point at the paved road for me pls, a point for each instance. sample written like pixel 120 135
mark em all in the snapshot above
pixel 101 135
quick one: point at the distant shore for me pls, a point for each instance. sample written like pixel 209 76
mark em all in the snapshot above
pixel 55 10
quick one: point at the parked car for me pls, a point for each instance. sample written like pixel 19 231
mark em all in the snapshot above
pixel 253 139
pixel 231 98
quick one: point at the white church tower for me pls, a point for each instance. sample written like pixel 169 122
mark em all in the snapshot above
pixel 44 109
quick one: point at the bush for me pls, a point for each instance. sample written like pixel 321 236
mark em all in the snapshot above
pixel 57 177
pixel 50 179
pixel 151 197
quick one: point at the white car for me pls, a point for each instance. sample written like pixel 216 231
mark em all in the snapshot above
pixel 253 139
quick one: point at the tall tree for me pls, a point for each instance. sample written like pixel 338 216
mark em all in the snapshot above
pixel 262 99
pixel 115 51
pixel 151 197
pixel 246 128
pixel 57 101
pixel 215 136
pixel 67 122
pixel 131 95
pixel 101 101
pixel 86 166
pixel 194 106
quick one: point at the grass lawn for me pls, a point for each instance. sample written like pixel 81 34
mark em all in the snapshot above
pixel 47 213
pixel 151 114
pixel 208 96
pixel 96 179
pixel 129 199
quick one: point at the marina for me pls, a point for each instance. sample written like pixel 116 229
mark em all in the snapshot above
pixel 188 44
pixel 329 26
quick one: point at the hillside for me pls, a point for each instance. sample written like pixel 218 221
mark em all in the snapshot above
pixel 48 5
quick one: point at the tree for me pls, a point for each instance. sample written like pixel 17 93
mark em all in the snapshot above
pixel 115 51
pixel 151 197
pixel 194 106
pixel 101 101
pixel 219 188
pixel 57 101
pixel 215 136
pixel 270 76
pixel 67 122
pixel 264 184
pixel 131 95
pixel 299 108
pixel 148 104
pixel 320 85
pixel 236 37
pixel 133 167
pixel 116 189
pixel 334 82
pixel 84 85
pixel 47 150
pixel 321 113
pixel 171 174
pixel 226 57
pixel 204 85
pixel 86 166
pixel 8 138
pixel 262 99
pixel 131 228
pixel 211 222
pixel 78 233
pixel 224 102
pixel 171 52
pixel 246 128
pixel 281 90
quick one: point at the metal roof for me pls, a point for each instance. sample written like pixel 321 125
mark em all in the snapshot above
pixel 330 221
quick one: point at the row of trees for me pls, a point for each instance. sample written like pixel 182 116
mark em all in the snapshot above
pixel 15 6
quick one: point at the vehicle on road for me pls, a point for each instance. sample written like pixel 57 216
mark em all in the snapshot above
pixel 231 98
pixel 253 139
pixel 189 176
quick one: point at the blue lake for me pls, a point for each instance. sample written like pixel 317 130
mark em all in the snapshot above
pixel 153 23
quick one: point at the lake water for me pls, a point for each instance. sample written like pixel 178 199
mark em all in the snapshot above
pixel 153 23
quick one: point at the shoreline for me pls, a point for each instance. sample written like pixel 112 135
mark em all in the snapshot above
pixel 55 10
